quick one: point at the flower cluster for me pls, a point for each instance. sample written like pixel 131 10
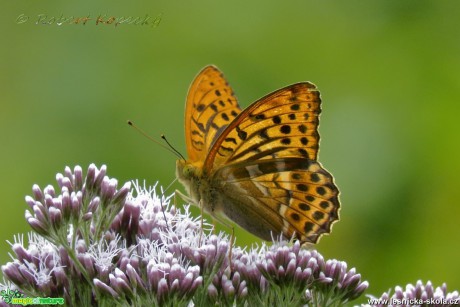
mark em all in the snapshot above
pixel 95 244
pixel 420 294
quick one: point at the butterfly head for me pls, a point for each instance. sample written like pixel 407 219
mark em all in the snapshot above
pixel 189 175
pixel 186 170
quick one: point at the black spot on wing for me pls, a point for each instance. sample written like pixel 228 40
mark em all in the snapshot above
pixel 227 150
pixel 232 140
pixel 302 128
pixel 197 143
pixel 263 134
pixel 286 141
pixel 276 120
pixel 224 116
pixel 318 215
pixel 258 117
pixel 308 226
pixel 285 129
pixel 295 107
pixel 321 190
pixel 303 152
pixel 241 133
pixel 302 187
pixel 314 177
pixel 201 127
pixel 304 207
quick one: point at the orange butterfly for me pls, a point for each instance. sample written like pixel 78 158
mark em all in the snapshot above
pixel 257 167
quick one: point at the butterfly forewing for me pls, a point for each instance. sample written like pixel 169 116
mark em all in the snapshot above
pixel 210 107
pixel 282 124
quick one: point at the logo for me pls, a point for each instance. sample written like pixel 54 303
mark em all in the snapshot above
pixel 14 297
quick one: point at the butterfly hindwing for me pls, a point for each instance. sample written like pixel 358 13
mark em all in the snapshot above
pixel 295 195
pixel 282 124
pixel 210 107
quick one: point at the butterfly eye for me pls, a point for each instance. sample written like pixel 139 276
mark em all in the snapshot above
pixel 188 171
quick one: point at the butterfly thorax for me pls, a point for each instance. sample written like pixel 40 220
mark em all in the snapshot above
pixel 199 188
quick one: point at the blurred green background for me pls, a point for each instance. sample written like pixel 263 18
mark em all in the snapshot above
pixel 388 72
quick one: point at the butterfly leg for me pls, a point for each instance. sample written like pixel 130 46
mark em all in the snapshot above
pixel 191 201
pixel 184 197
pixel 201 221
pixel 214 216
pixel 232 238
pixel 232 241
pixel 163 209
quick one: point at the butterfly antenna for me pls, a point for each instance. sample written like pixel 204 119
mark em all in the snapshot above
pixel 170 148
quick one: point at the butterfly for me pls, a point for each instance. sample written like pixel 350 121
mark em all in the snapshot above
pixel 258 166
